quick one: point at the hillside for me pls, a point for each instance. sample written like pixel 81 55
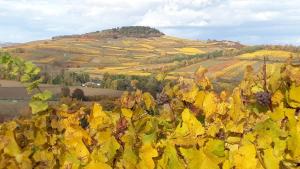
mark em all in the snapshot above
pixel 142 51
pixel 116 49
pixel 6 44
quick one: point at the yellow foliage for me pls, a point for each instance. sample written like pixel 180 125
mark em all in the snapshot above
pixel 190 51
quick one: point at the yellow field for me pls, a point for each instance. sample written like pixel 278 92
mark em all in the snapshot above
pixel 269 54
pixel 230 68
pixel 190 51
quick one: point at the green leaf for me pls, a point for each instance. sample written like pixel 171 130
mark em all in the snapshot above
pixel 38 106
pixel 46 95
pixel 25 78
pixel 29 67
pixel 216 147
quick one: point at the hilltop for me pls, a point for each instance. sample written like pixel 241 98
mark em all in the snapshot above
pixel 123 32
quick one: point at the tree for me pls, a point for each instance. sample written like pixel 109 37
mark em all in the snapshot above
pixel 78 94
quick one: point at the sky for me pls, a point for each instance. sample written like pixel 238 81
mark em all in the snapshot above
pixel 246 21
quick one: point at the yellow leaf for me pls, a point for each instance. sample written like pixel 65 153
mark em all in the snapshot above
pixel 108 149
pixel 275 79
pixel 294 96
pixel 43 156
pixel 170 159
pixel 129 158
pixel 244 158
pixel 210 104
pixel 147 152
pixel 216 147
pixel 69 160
pixel 190 125
pixel 278 113
pixel 149 101
pixel 97 165
pixel 24 160
pixel 97 111
pixel 199 99
pixel 40 138
pixel 12 147
pixel 294 140
pixel 270 160
pixel 197 159
pixel 236 112
pixel 73 139
pixel 98 118
pixel 201 79
pixel 127 113
pixel 190 93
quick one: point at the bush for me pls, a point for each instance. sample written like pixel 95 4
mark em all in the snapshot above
pixel 78 94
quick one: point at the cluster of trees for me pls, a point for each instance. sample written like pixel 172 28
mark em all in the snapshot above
pixel 65 78
pixel 126 31
pixel 137 31
pixel 129 83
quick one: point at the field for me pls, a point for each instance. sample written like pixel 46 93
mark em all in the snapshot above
pixel 273 55
pixel 217 68
pixel 14 98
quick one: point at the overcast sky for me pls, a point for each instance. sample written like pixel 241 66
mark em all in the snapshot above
pixel 247 21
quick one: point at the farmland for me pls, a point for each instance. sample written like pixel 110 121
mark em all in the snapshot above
pixel 131 54
pixel 107 52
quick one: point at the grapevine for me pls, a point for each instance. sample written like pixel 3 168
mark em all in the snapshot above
pixel 27 73
pixel 189 125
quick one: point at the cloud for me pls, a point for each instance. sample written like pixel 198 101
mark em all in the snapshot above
pixel 25 20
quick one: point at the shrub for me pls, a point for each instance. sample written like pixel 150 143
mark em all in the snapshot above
pixel 78 94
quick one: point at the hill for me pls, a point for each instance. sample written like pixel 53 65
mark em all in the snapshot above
pixel 135 50
pixel 143 51
pixel 6 44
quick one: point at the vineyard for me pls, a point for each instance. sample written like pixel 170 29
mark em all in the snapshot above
pixel 187 125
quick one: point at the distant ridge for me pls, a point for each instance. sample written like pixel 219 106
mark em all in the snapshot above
pixel 7 44
pixel 115 33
